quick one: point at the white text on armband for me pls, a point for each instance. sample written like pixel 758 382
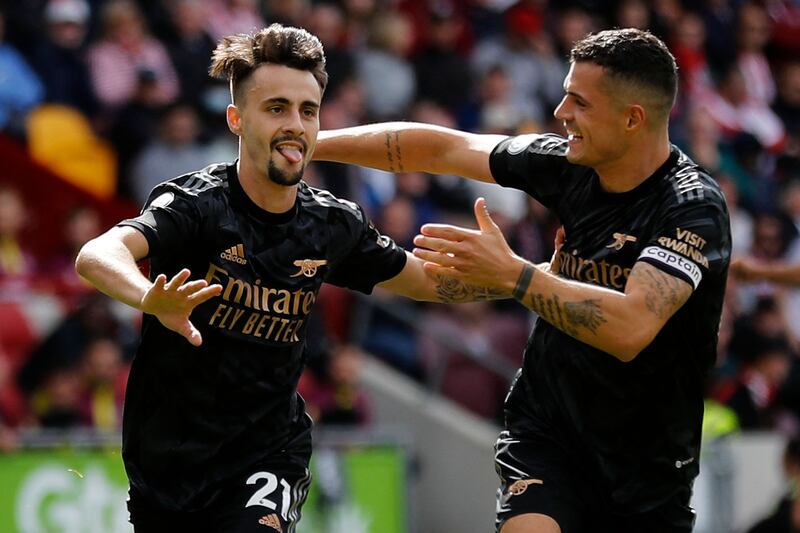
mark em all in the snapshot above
pixel 673 260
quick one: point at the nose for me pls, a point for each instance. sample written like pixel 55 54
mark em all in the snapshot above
pixel 294 123
pixel 562 112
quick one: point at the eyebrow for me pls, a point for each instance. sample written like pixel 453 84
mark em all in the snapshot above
pixel 576 95
pixel 285 101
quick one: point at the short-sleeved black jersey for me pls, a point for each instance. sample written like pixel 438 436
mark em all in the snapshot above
pixel 195 416
pixel 635 425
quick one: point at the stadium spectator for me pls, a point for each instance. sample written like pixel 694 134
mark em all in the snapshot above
pixel 18 266
pixel 103 373
pixel 134 126
pixel 20 87
pixel 787 105
pixel 383 68
pixel 333 391
pixel 719 18
pixel 440 66
pixel 227 17
pixel 125 55
pixel 66 345
pixel 175 151
pixel 56 403
pixel 535 78
pixel 687 43
pixel 327 22
pixel 741 220
pixel 753 392
pixel 495 109
pixel 287 12
pixel 81 224
pixel 391 336
pixel 731 106
pixel 59 58
pixel 753 33
pixel 453 344
pixel 189 48
pixel 633 14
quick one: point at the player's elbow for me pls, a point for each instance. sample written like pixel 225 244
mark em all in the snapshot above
pixel 634 340
pixel 86 259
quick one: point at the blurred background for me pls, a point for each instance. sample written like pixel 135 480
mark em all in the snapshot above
pixel 102 99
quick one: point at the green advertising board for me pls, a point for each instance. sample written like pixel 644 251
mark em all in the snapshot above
pixel 355 490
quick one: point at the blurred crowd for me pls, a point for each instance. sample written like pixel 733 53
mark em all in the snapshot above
pixel 113 97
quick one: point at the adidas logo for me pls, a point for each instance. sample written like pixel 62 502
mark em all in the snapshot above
pixel 235 254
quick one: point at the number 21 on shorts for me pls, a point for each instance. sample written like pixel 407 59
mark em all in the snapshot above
pixel 263 495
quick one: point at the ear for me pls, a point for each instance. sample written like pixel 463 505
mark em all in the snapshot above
pixel 636 117
pixel 234 119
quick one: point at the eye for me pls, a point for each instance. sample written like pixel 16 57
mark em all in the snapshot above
pixel 310 112
pixel 276 109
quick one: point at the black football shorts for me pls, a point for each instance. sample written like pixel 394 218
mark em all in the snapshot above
pixel 266 499
pixel 537 476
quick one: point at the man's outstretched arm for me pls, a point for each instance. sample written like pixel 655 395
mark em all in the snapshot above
pixel 621 324
pixel 747 269
pixel 410 147
pixel 413 282
pixel 109 263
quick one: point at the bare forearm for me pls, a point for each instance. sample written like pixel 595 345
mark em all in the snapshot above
pixel 112 269
pixel 409 147
pixel 594 315
pixel 782 273
pixel 414 283
pixel 451 290
pixel 380 146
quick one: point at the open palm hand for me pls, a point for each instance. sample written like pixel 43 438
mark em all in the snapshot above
pixel 173 301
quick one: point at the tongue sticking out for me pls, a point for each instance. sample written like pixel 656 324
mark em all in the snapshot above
pixel 292 154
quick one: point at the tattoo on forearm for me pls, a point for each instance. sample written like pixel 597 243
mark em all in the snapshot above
pixel 664 294
pixel 451 290
pixel 568 316
pixel 393 154
pixel 587 314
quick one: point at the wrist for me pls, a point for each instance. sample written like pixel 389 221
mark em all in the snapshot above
pixel 142 304
pixel 523 280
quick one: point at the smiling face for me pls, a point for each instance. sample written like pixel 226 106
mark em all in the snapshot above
pixel 595 120
pixel 277 120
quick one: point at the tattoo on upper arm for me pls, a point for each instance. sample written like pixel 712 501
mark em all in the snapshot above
pixel 393 155
pixel 451 290
pixel 664 294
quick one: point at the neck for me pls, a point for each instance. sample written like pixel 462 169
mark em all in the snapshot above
pixel 265 193
pixel 638 163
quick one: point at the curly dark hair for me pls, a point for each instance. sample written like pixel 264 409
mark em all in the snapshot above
pixel 636 57
pixel 237 56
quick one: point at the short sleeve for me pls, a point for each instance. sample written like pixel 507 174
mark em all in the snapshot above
pixel 533 163
pixel 373 259
pixel 169 219
pixel 691 243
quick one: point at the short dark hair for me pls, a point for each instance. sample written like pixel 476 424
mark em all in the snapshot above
pixel 636 57
pixel 237 56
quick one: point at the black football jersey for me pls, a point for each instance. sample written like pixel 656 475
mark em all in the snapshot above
pixel 633 428
pixel 194 416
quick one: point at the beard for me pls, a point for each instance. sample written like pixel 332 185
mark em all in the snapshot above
pixel 281 177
